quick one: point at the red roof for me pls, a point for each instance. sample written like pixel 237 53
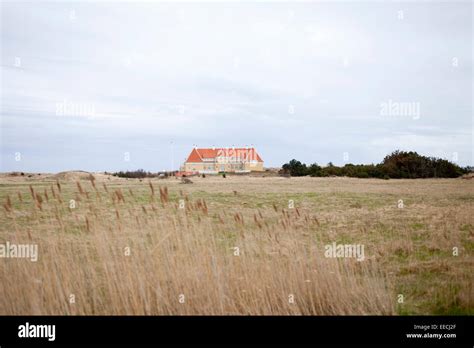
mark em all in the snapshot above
pixel 197 155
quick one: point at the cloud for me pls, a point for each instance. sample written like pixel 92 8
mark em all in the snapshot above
pixel 302 80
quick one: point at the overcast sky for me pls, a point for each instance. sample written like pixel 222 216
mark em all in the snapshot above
pixel 115 86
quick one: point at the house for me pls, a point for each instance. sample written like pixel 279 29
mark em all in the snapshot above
pixel 215 160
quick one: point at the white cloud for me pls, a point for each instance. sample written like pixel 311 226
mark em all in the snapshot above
pixel 228 72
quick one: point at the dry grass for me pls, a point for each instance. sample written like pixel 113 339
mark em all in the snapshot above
pixel 129 248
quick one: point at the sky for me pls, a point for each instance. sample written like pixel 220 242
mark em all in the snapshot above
pixel 108 86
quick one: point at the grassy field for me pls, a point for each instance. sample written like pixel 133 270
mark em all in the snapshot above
pixel 239 245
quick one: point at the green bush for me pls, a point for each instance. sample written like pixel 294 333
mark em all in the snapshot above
pixel 397 165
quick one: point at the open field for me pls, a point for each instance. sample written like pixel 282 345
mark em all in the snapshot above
pixel 131 247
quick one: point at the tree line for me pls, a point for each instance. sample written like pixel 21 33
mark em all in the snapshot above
pixel 397 165
pixel 140 174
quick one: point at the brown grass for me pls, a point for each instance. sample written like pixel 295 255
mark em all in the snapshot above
pixel 120 251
